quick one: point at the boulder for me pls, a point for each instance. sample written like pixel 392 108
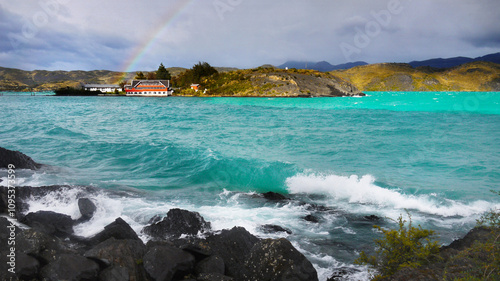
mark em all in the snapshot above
pixel 46 248
pixel 341 274
pixel 70 267
pixel 18 159
pixel 213 277
pixel 26 266
pixel 311 218
pixel 277 259
pixel 372 218
pixel 167 262
pixel 121 253
pixel 114 273
pixel 233 246
pixel 50 222
pixel 176 223
pixel 271 228
pixel 273 196
pixel 119 229
pixel 213 264
pixel 4 200
pixel 87 209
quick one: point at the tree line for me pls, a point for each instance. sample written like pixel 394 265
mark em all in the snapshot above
pixel 196 75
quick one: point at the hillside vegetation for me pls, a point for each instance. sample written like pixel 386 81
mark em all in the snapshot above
pixel 43 80
pixel 474 76
pixel 272 82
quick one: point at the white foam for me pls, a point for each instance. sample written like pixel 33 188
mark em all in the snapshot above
pixel 364 192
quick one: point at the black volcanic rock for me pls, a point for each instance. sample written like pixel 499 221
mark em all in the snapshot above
pixel 271 228
pixel 212 264
pixel 50 222
pixel 372 218
pixel 70 267
pixel 277 259
pixel 18 159
pixel 311 218
pixel 26 266
pixel 233 246
pixel 87 209
pixel 273 196
pixel 124 255
pixel 176 223
pixel 119 229
pixel 166 262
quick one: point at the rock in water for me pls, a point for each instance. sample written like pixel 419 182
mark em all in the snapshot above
pixel 176 223
pixel 271 228
pixel 277 259
pixel 18 159
pixel 50 222
pixel 273 196
pixel 87 209
pixel 119 229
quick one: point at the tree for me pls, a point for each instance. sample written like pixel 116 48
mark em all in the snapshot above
pixel 140 76
pixel 405 247
pixel 151 76
pixel 162 73
pixel 194 75
pixel 202 69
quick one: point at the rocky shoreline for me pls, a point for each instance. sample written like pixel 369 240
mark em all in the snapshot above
pixel 181 246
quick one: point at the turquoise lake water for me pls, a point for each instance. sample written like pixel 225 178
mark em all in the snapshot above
pixel 436 155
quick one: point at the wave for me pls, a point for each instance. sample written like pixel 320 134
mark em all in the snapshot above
pixel 364 191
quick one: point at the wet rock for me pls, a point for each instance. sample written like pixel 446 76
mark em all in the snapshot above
pixel 342 274
pixel 233 246
pixel 166 263
pixel 26 266
pixel 176 223
pixel 127 254
pixel 479 234
pixel 50 222
pixel 213 264
pixel 4 200
pixel 273 196
pixel 213 277
pixel 18 159
pixel 70 267
pixel 114 273
pixel 119 229
pixel 271 228
pixel 87 209
pixel 44 247
pixel 311 218
pixel 277 259
pixel 372 218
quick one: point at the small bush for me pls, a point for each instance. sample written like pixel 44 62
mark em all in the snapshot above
pixel 403 247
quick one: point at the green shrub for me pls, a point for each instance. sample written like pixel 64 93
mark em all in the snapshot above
pixel 484 257
pixel 407 246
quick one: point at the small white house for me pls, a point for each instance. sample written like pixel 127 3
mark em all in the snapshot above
pixel 101 87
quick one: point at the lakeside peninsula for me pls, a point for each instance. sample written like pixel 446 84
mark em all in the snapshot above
pixel 269 81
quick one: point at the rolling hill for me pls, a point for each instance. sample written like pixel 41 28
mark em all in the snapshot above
pixel 473 76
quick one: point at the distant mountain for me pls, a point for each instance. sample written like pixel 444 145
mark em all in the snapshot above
pixel 323 66
pixel 456 61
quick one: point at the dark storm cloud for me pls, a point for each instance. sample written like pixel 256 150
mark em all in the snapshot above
pixel 106 34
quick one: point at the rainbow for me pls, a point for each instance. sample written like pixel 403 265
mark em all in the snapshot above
pixel 174 12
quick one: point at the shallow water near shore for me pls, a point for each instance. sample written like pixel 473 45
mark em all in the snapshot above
pixel 435 155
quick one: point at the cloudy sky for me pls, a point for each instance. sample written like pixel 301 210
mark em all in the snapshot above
pixel 139 35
